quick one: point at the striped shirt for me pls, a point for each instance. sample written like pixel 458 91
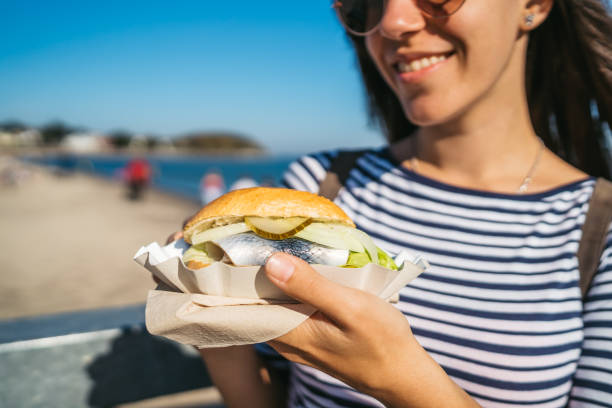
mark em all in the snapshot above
pixel 500 308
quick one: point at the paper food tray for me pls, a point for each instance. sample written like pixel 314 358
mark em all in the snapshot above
pixel 224 305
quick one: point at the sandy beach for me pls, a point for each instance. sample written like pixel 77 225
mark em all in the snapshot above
pixel 67 242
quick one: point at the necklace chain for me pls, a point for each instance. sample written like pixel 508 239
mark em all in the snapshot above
pixel 526 180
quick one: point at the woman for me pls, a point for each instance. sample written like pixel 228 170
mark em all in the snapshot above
pixel 494 110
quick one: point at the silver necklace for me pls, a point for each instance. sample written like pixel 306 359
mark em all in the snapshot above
pixel 526 180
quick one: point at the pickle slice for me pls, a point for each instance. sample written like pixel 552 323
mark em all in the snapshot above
pixel 276 228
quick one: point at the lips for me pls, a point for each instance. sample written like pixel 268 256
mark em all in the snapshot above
pixel 414 62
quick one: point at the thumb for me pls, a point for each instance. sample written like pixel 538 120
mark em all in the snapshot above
pixel 299 280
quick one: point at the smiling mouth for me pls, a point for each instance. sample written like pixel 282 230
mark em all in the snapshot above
pixel 421 63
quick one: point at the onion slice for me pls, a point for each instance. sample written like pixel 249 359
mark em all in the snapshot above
pixel 367 242
pixel 331 235
pixel 218 233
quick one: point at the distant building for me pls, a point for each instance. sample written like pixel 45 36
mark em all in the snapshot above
pixel 85 142
pixel 138 141
pixel 20 138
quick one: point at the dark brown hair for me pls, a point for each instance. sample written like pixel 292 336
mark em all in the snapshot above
pixel 568 79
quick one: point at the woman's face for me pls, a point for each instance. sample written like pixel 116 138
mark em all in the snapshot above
pixel 440 68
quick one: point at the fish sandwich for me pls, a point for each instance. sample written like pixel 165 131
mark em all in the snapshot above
pixel 245 227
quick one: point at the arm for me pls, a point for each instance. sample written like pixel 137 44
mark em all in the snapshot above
pixel 239 374
pixel 361 340
pixel 593 379
pixel 241 377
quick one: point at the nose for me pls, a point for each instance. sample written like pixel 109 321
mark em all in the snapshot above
pixel 401 17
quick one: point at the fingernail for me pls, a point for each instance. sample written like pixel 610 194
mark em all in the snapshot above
pixel 280 268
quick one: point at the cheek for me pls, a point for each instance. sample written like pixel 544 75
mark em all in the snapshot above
pixel 484 53
pixel 483 38
pixel 375 47
pixel 492 35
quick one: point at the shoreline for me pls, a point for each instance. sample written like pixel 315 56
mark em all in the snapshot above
pixel 170 153
pixel 68 241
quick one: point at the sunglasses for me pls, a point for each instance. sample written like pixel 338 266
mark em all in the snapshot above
pixel 361 17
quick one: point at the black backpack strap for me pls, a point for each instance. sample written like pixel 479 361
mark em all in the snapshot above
pixel 338 172
pixel 594 233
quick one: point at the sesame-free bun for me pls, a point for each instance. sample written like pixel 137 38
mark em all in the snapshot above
pixel 264 202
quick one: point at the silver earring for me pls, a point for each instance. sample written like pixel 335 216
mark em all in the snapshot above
pixel 529 19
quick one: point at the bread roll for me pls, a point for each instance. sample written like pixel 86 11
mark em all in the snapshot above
pixel 264 202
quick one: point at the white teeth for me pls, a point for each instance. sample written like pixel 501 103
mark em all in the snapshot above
pixel 419 64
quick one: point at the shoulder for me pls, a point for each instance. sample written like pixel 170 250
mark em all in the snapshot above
pixel 601 206
pixel 554 172
pixel 308 171
pixel 595 250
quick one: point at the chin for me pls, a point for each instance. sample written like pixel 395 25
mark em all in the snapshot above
pixel 425 115
pixel 426 111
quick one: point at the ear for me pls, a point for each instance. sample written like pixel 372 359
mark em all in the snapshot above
pixel 534 12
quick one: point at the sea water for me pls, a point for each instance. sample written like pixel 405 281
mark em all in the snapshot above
pixel 179 175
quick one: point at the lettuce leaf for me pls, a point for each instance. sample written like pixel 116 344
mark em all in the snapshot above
pixel 385 260
pixel 197 253
pixel 360 259
pixel 357 260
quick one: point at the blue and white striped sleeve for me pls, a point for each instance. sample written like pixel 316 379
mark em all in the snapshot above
pixel 308 172
pixel 593 379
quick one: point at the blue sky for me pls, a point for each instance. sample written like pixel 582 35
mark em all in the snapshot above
pixel 280 72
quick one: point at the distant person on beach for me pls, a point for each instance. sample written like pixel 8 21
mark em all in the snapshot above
pixel 495 114
pixel 137 175
pixel 245 181
pixel 212 186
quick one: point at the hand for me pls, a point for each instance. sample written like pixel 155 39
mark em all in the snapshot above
pixel 174 236
pixel 354 336
pixel 178 234
pixel 359 339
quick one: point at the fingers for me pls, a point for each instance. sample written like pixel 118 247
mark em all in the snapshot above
pixel 300 281
pixel 173 237
pixel 178 234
